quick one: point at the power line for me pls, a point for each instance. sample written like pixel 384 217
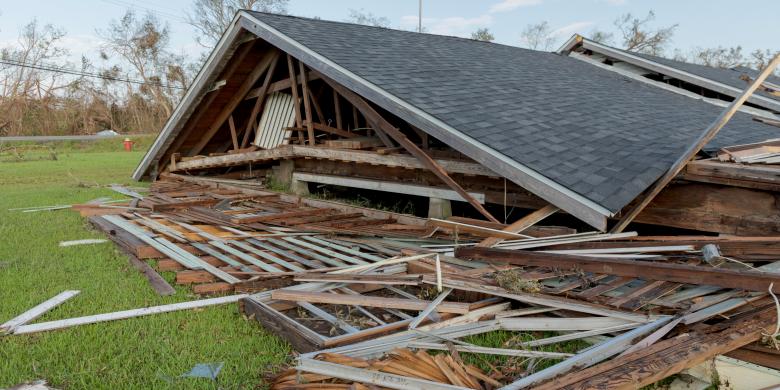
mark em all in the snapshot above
pixel 57 69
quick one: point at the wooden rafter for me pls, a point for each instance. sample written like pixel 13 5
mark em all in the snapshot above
pixel 307 104
pixel 378 122
pixel 296 99
pixel 234 101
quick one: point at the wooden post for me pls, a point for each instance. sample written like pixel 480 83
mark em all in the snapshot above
pixel 233 135
pixel 337 109
pixel 307 104
pixel 381 124
pixel 691 152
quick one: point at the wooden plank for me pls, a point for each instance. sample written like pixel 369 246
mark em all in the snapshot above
pixel 307 104
pixel 679 273
pixel 119 315
pixel 237 97
pixel 692 150
pixel 370 301
pixel 37 311
pixel 380 123
pixel 521 224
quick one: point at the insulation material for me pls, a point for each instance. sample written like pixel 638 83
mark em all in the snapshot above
pixel 278 114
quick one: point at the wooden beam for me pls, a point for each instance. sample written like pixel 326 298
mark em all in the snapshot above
pixel 294 84
pixel 678 273
pixel 691 152
pixel 337 110
pixel 380 123
pixel 366 300
pixel 307 104
pixel 521 224
pixel 234 101
pixel 261 99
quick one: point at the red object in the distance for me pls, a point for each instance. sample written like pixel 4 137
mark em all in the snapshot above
pixel 128 145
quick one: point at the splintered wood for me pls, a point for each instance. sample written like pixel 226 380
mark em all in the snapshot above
pixel 439 368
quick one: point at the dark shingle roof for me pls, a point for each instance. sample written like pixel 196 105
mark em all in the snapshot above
pixel 600 134
pixel 727 76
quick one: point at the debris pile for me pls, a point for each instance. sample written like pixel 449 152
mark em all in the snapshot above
pixel 369 297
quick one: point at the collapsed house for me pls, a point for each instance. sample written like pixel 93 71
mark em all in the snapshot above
pixel 364 294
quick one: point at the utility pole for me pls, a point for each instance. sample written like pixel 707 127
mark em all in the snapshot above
pixel 419 17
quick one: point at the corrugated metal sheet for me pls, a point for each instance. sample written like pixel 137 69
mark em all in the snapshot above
pixel 278 114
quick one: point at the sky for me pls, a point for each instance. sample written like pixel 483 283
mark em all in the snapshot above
pixel 702 23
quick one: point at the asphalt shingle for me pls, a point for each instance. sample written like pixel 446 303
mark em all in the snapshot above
pixel 598 133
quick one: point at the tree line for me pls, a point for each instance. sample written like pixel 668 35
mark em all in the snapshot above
pixel 138 79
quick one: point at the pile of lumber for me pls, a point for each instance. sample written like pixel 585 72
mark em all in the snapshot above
pixel 371 298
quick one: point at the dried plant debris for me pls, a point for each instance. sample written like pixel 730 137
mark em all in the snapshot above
pixel 513 281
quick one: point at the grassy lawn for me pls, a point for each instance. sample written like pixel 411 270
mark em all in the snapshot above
pixel 124 354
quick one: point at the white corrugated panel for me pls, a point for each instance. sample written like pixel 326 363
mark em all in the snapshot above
pixel 278 114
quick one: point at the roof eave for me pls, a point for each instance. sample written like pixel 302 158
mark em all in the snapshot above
pixel 671 71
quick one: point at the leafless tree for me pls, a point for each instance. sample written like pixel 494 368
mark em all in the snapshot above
pixel 212 17
pixel 142 43
pixel 601 36
pixel 537 36
pixel 718 57
pixel 636 34
pixel 362 16
pixel 483 34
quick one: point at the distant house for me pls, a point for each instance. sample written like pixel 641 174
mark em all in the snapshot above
pixel 574 129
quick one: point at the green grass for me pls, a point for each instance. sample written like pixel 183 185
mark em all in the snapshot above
pixel 126 354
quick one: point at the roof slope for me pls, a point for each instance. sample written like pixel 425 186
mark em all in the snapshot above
pixel 597 133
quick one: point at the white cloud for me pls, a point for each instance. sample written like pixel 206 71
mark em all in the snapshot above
pixel 456 25
pixel 570 29
pixel 81 45
pixel 616 2
pixel 509 5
